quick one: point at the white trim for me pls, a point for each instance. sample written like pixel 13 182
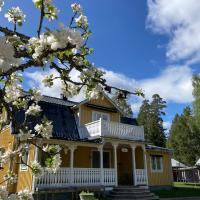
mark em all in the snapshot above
pixel 161 164
pixel 100 113
pixel 110 160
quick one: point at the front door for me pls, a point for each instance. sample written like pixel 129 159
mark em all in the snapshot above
pixel 125 171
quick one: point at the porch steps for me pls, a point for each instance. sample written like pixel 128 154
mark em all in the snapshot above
pixel 131 193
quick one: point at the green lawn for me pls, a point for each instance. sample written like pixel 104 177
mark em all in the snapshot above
pixel 180 190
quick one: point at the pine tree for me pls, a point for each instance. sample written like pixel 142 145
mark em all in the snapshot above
pixel 150 115
pixel 143 117
pixel 182 138
pixel 122 104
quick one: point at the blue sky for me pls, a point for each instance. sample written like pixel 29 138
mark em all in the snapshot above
pixel 150 44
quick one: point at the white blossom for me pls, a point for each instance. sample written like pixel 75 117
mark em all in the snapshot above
pixel 7 59
pixel 69 90
pixel 76 7
pixel 55 163
pixel 48 81
pixel 34 110
pixel 1 4
pixel 53 12
pixel 13 92
pixel 53 149
pixel 37 169
pixel 46 2
pixel 35 95
pixel 9 154
pixel 15 15
pixel 82 21
pixel 24 135
pixel 25 195
pixel 44 129
pixel 10 177
pixel 3 193
pixel 95 93
pixel 55 40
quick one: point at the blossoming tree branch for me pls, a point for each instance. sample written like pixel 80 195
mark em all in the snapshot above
pixel 63 50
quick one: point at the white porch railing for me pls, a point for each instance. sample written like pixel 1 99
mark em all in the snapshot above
pixel 65 177
pixel 112 129
pixel 141 177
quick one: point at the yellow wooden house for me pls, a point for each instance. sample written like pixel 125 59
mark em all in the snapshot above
pixel 102 149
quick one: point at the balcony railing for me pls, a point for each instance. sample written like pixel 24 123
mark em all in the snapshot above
pixel 66 177
pixel 112 129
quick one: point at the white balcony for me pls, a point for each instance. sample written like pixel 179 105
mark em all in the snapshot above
pixel 112 129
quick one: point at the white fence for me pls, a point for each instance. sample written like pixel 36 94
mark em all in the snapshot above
pixel 112 129
pixel 141 177
pixel 65 177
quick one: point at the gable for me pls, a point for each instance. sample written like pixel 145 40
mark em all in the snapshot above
pixel 104 102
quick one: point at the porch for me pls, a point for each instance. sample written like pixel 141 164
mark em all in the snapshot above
pixel 108 165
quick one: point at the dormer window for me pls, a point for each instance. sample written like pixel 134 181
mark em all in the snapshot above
pixel 100 115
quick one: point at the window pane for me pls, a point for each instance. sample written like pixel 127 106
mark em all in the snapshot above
pixel 153 163
pixel 158 163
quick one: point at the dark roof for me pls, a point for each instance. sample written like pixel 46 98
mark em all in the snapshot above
pixel 152 147
pixel 128 120
pixel 59 101
pixel 59 112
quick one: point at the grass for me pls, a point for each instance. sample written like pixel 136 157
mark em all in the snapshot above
pixel 180 190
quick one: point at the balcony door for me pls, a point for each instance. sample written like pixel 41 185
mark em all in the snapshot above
pixel 100 115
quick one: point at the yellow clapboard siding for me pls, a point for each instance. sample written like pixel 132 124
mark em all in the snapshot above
pixel 25 177
pixel 6 142
pixel 86 112
pixel 160 178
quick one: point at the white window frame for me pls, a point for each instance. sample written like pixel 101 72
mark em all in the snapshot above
pixel 24 167
pixel 110 159
pixel 161 164
pixel 101 113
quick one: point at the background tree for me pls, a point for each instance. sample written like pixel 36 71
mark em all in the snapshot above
pixel 150 115
pixel 184 137
pixel 181 138
pixel 122 104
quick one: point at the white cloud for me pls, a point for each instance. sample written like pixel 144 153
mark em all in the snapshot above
pixel 173 84
pixel 167 125
pixel 180 20
pixel 35 80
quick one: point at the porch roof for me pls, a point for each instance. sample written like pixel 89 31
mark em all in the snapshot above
pixel 157 148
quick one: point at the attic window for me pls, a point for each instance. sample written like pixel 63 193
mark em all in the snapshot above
pixel 100 115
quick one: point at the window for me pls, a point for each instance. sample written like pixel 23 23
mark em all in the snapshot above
pixel 2 151
pixel 97 115
pixel 156 163
pixel 96 159
pixel 24 161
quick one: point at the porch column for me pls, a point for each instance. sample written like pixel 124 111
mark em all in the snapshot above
pixel 101 165
pixel 145 162
pixel 115 163
pixel 134 165
pixel 72 149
